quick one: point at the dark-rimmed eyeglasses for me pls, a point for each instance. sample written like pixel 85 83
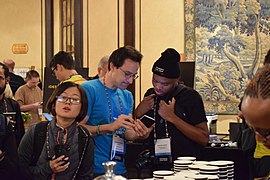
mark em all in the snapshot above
pixel 129 75
pixel 53 71
pixel 64 99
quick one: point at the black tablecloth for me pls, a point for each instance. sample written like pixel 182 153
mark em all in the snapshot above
pixel 240 159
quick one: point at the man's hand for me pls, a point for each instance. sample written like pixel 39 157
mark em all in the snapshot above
pixel 141 130
pixel 166 111
pixel 37 105
pixel 145 105
pixel 123 121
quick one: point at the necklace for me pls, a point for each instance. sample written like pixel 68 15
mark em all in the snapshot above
pixel 5 108
pixel 47 143
pixel 50 157
pixel 109 102
pixel 5 102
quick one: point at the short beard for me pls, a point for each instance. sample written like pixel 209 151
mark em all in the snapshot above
pixel 2 89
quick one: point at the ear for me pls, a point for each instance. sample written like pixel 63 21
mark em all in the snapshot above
pixel 7 79
pixel 112 67
pixel 60 67
pixel 99 70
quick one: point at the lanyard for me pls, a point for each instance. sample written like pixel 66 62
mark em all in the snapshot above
pixel 109 102
pixel 5 105
pixel 165 122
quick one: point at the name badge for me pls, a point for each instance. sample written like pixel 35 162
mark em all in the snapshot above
pixel 163 147
pixel 118 148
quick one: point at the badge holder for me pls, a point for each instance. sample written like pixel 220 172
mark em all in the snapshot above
pixel 163 154
pixel 118 148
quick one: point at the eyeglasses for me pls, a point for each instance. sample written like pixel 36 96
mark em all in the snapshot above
pixel 53 71
pixel 129 75
pixel 263 132
pixel 64 99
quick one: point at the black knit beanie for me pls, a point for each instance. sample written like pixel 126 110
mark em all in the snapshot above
pixel 168 64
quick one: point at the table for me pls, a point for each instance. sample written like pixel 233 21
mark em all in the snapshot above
pixel 240 159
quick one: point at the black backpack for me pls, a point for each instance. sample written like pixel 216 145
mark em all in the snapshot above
pixel 40 136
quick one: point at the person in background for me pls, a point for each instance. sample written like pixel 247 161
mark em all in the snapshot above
pixel 63 67
pixel 29 97
pixel 68 148
pixel 9 167
pixel 110 107
pixel 102 67
pixel 178 112
pixel 255 110
pixel 15 80
pixel 8 105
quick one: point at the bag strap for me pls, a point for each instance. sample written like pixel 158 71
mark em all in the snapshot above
pixel 82 139
pixel 39 140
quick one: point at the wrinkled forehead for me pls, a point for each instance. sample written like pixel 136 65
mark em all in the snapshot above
pixel 256 112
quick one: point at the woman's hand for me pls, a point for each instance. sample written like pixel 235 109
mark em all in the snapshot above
pixel 59 164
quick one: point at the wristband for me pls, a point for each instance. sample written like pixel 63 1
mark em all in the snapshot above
pixel 97 131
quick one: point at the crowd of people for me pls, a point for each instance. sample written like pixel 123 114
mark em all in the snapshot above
pixel 93 118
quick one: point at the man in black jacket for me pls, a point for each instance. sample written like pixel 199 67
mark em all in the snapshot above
pixel 9 168
pixel 10 107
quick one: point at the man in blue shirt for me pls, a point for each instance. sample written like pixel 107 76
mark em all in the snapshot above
pixel 110 107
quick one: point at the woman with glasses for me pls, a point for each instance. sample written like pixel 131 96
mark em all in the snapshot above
pixel 67 148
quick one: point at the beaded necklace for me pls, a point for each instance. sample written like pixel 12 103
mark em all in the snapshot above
pixel 5 103
pixel 57 140
pixel 109 102
pixel 49 154
pixel 5 109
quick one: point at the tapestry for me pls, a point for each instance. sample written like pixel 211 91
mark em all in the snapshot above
pixel 228 41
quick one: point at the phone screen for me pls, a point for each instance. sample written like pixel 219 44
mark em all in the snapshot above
pixel 47 116
pixel 147 120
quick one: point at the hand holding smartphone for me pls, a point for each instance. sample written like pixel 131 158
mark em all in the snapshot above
pixel 60 150
pixel 147 121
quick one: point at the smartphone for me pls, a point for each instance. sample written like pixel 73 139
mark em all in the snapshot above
pixel 147 120
pixel 47 116
pixel 60 150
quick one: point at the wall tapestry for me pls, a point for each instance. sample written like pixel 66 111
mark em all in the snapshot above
pixel 228 41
